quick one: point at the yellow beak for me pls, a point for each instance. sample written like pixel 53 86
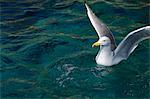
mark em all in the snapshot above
pixel 96 44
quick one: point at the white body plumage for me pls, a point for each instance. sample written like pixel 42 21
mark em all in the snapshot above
pixel 109 53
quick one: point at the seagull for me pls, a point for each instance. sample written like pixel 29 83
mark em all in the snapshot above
pixel 110 54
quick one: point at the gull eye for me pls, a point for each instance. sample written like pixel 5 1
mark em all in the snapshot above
pixel 104 40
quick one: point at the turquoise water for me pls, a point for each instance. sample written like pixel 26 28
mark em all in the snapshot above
pixel 46 50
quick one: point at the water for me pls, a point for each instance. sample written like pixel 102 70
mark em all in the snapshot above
pixel 46 50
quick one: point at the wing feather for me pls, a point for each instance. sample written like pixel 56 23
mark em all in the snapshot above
pixel 100 27
pixel 130 42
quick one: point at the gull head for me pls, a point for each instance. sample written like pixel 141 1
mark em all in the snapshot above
pixel 103 41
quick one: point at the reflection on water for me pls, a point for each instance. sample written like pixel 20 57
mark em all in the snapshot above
pixel 46 50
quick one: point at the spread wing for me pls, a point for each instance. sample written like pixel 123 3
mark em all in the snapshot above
pixel 130 42
pixel 100 27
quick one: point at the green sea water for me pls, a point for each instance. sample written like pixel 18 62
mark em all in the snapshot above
pixel 46 50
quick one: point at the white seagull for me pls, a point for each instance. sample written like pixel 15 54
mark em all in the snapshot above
pixel 109 53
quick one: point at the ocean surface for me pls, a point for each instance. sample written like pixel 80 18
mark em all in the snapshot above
pixel 46 50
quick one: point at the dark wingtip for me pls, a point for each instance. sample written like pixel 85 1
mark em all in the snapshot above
pixel 85 2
